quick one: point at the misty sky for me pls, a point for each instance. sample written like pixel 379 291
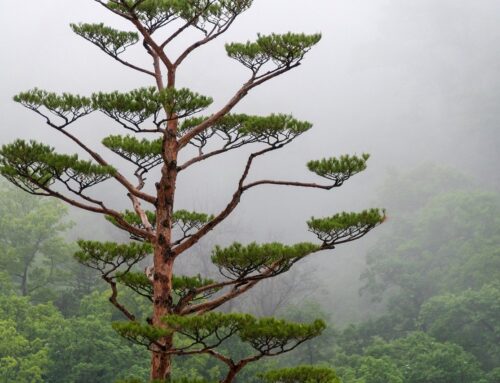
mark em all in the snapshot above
pixel 409 81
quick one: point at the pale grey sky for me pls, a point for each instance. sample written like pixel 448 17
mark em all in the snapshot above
pixel 409 81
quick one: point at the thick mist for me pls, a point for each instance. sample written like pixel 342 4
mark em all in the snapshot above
pixel 410 82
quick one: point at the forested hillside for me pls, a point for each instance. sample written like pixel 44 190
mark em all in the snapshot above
pixel 435 273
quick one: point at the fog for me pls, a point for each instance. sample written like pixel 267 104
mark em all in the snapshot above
pixel 411 82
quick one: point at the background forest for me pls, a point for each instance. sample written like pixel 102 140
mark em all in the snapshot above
pixel 422 304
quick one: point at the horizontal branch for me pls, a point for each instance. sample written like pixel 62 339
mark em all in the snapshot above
pixel 289 183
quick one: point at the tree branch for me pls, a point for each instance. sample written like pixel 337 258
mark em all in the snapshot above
pixel 240 94
pixel 230 206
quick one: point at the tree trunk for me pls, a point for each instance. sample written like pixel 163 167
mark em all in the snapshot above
pixel 230 376
pixel 233 371
pixel 161 366
pixel 164 257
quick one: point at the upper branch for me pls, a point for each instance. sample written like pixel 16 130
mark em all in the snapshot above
pixel 237 130
pixel 274 54
pixel 110 41
pixel 228 209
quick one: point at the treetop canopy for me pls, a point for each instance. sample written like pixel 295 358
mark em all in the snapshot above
pixel 201 14
pixel 284 50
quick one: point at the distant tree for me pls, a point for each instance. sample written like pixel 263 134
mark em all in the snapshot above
pixel 32 250
pixel 182 306
pixel 415 358
pixel 469 319
pixel 450 245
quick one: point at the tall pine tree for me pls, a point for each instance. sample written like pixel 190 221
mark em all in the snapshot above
pixel 184 318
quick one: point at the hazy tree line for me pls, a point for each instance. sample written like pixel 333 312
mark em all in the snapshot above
pixel 434 272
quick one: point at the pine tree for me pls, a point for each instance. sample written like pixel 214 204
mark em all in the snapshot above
pixel 184 306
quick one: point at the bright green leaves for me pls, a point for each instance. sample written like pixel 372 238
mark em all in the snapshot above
pixel 66 106
pixel 285 51
pixel 142 334
pixel 269 336
pixel 339 169
pixel 134 108
pixel 345 227
pixel 109 257
pixel 238 261
pixel 33 166
pixel 302 374
pixel 111 41
pixel 145 154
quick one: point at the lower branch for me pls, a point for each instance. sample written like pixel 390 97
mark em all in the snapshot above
pixel 113 299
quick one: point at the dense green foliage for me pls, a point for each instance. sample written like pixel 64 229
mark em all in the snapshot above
pixel 434 329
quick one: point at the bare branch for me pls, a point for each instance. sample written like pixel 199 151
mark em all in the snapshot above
pixel 230 206
pixel 114 298
pixel 289 183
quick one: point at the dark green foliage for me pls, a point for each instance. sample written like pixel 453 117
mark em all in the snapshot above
pixel 204 15
pixel 108 257
pixel 138 282
pixel 236 130
pixel 269 336
pixel 469 319
pixel 110 40
pixel 182 285
pixel 339 169
pixel 273 336
pixel 302 374
pixel 345 227
pixel 146 154
pixel 66 106
pixel 133 219
pixel 33 166
pixel 449 245
pixel 209 330
pixel 32 249
pixel 422 359
pixel 283 50
pixel 141 334
pixel 180 380
pixel 182 220
pixel 135 107
pixel 129 109
pixel 238 261
pixel 186 221
pixel 39 345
